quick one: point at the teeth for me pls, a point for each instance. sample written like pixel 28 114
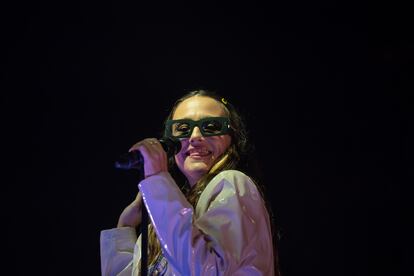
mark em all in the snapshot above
pixel 198 152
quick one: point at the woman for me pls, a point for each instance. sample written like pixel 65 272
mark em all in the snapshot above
pixel 217 222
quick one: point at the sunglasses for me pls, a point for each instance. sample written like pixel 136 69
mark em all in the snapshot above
pixel 209 126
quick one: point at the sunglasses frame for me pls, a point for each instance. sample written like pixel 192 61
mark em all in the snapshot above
pixel 225 129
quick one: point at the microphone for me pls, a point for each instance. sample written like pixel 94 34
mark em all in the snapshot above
pixel 134 159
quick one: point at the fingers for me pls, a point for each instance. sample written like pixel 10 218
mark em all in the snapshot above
pixel 155 158
pixel 151 149
pixel 149 143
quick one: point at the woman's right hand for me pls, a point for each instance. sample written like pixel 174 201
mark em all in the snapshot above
pixel 132 214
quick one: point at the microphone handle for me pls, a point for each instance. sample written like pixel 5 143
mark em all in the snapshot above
pixel 134 159
pixel 130 160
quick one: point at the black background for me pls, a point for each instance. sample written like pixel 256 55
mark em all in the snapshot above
pixel 324 88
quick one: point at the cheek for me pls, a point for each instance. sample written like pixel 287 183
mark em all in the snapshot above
pixel 223 143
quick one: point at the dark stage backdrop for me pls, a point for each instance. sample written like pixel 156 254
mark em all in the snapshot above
pixel 323 88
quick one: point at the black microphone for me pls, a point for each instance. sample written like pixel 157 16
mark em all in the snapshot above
pixel 134 159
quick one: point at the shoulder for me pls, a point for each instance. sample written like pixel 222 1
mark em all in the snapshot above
pixel 231 175
pixel 234 180
pixel 230 184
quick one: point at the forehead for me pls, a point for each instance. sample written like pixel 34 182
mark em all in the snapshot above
pixel 198 107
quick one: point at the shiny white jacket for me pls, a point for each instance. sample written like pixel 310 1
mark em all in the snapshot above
pixel 228 233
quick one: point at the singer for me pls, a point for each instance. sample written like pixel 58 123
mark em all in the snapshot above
pixel 207 216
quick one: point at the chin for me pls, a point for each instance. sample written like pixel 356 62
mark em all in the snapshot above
pixel 198 168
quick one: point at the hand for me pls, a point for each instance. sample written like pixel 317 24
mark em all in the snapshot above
pixel 132 214
pixel 155 157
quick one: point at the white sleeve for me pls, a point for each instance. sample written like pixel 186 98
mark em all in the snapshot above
pixel 229 234
pixel 117 248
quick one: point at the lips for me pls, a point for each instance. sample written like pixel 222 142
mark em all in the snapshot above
pixel 198 152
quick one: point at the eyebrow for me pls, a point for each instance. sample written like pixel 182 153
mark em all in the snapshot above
pixel 186 118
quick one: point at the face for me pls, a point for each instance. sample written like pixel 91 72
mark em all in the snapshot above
pixel 198 153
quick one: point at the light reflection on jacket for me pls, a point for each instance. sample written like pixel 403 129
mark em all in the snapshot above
pixel 228 234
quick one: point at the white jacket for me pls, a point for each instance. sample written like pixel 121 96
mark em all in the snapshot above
pixel 228 233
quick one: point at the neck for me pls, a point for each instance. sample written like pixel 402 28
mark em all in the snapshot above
pixel 193 180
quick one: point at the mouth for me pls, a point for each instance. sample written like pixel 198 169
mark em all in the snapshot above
pixel 198 153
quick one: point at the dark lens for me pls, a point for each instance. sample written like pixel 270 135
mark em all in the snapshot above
pixel 179 129
pixel 212 127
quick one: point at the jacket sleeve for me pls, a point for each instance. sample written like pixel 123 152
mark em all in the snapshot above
pixel 228 233
pixel 117 248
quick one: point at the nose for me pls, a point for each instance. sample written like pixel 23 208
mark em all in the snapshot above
pixel 195 135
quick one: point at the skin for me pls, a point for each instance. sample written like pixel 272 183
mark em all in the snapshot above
pixel 198 153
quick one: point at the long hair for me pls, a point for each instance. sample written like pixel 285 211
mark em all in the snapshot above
pixel 235 157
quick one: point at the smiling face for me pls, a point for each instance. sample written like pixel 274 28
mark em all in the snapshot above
pixel 198 153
